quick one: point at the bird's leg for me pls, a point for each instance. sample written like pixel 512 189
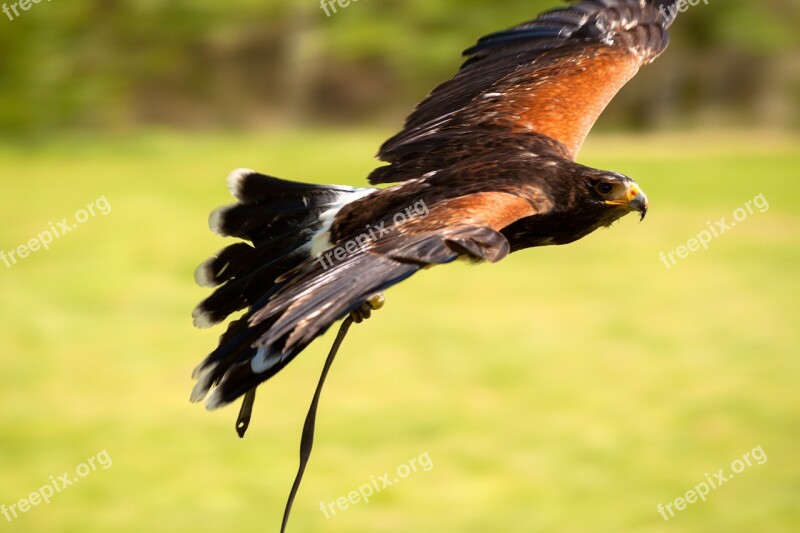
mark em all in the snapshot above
pixel 364 311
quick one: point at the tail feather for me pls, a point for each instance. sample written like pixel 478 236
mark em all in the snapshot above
pixel 241 258
pixel 234 345
pixel 262 224
pixel 281 219
pixel 239 292
pixel 227 264
pixel 270 208
pixel 249 186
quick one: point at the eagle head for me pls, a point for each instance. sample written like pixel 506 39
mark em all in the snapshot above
pixel 613 196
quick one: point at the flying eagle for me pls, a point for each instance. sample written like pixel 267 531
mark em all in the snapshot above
pixel 484 166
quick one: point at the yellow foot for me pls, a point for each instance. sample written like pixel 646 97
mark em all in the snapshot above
pixel 373 303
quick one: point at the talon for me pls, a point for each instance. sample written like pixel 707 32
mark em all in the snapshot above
pixel 376 301
pixel 364 311
pixel 359 315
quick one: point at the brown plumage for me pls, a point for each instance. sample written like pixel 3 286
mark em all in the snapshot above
pixel 484 166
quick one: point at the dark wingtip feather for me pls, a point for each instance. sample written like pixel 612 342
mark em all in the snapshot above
pixel 593 20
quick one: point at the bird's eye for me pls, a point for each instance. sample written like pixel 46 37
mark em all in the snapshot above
pixel 604 189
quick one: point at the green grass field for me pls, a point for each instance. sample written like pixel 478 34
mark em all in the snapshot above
pixel 563 389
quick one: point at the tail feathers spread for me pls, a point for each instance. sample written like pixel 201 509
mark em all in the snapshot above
pixel 281 219
pixel 306 303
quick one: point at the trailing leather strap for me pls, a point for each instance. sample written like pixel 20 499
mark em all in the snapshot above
pixel 243 420
pixel 307 440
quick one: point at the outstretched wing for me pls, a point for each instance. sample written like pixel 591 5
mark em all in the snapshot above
pixel 552 76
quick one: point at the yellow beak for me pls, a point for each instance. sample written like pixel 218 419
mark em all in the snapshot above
pixel 634 198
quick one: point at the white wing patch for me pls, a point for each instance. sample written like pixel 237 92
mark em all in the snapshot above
pixel 321 240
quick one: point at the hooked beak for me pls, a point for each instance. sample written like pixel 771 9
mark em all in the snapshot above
pixel 633 199
pixel 639 203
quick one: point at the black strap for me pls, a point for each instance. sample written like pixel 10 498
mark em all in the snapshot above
pixel 307 440
pixel 243 420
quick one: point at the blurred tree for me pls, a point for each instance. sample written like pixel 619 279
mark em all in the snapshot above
pixel 113 64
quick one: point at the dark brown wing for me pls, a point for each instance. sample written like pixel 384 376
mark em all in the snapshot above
pixel 552 76
pixel 465 226
pixel 282 324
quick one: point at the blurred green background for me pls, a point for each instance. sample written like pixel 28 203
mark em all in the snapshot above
pixel 564 389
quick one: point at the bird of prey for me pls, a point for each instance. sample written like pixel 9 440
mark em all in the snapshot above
pixel 485 166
